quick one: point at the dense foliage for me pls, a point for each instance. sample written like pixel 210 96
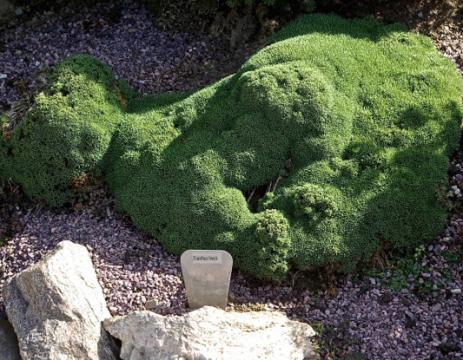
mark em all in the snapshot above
pixel 328 144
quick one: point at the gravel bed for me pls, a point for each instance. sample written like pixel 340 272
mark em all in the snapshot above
pixel 363 317
pixel 357 319
pixel 126 39
pixel 449 40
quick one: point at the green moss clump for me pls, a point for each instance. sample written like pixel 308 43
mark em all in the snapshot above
pixel 342 128
pixel 67 132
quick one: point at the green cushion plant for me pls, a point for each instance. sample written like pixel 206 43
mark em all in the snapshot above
pixel 327 145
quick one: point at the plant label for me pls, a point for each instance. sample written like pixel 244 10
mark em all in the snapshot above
pixel 206 274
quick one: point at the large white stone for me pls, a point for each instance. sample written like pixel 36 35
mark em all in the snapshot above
pixel 56 308
pixel 212 334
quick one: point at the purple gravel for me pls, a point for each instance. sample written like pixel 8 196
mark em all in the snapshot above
pixel 135 271
pixel 132 45
pixel 131 269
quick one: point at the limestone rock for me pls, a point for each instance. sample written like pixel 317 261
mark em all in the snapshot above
pixel 211 334
pixel 57 306
pixel 8 342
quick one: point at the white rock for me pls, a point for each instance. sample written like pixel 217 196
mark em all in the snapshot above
pixel 56 308
pixel 212 334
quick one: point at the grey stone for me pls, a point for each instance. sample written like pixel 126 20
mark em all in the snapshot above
pixel 206 274
pixel 212 334
pixel 57 307
pixel 8 342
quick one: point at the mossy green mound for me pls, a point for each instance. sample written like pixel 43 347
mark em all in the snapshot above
pixel 343 129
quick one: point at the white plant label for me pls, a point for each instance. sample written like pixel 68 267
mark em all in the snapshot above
pixel 206 274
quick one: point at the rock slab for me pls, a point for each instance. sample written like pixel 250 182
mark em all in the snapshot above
pixel 211 334
pixel 57 307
